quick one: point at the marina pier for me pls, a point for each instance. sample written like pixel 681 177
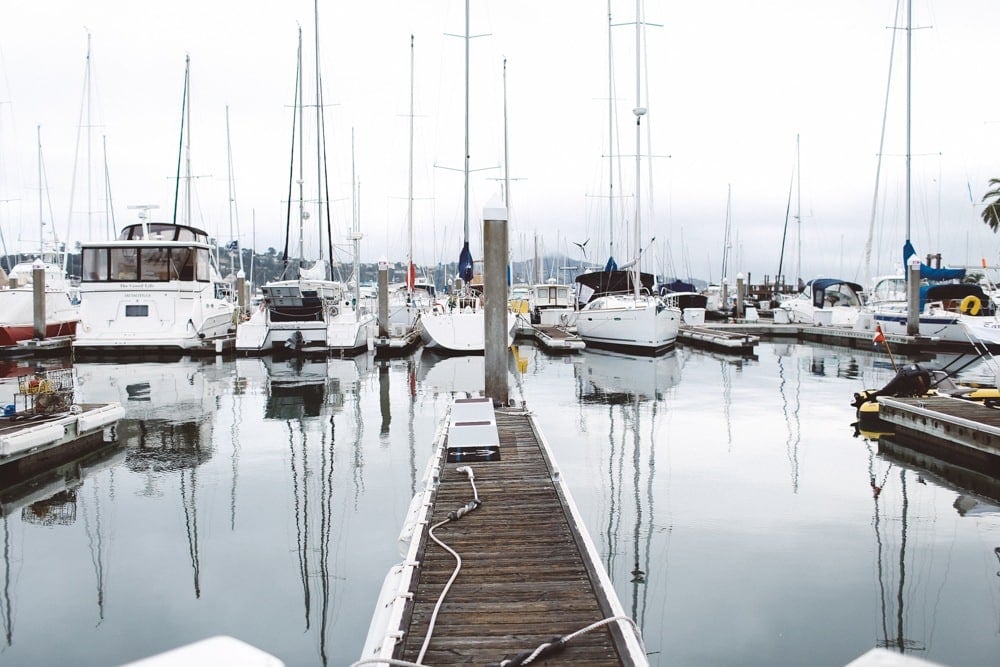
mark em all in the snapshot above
pixel 529 572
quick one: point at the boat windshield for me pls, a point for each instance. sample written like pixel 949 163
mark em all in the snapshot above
pixel 163 231
pixel 146 264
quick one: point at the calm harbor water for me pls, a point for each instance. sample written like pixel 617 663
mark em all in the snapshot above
pixel 731 500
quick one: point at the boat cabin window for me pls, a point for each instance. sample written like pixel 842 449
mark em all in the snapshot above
pixel 152 264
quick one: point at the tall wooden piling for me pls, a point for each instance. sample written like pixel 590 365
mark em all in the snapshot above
pixel 495 298
pixel 38 285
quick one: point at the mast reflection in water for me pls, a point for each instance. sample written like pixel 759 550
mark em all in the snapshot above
pixel 728 498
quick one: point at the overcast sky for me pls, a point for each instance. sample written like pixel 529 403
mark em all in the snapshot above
pixel 731 84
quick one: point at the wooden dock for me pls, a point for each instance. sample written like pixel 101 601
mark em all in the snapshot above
pixel 958 430
pixel 529 571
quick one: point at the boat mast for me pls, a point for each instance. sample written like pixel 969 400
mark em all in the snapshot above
pixel 41 208
pixel 639 111
pixel 611 144
pixel 409 198
pixel 466 169
pixel 321 191
pixel 798 213
pixel 180 151
pixel 506 154
pixel 356 234
pixel 302 204
pixel 233 213
pixel 727 234
pixel 187 146
pixel 909 46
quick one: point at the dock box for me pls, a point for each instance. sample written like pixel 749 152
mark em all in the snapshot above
pixel 472 431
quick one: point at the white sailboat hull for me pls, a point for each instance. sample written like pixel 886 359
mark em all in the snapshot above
pixel 642 325
pixel 459 331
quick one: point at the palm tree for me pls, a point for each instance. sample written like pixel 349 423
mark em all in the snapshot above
pixel 991 214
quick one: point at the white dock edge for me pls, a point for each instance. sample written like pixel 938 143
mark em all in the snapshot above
pixel 219 651
pixel 386 627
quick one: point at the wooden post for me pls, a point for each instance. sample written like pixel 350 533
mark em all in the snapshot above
pixel 741 293
pixel 913 296
pixel 383 298
pixel 495 298
pixel 38 285
pixel 241 293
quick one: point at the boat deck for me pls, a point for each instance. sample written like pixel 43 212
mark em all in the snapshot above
pixel 529 571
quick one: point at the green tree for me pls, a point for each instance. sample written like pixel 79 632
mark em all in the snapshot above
pixel 991 214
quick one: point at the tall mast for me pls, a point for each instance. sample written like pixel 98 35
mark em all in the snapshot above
pixel 409 198
pixel 506 154
pixel 302 204
pixel 86 75
pixel 356 233
pixel 909 44
pixel 184 129
pixel 611 143
pixel 319 134
pixel 187 146
pixel 41 208
pixel 465 261
pixel 639 110
pixel 466 214
pixel 798 212
pixel 233 213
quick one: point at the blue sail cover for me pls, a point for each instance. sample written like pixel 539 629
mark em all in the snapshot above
pixel 612 265
pixel 465 263
pixel 928 272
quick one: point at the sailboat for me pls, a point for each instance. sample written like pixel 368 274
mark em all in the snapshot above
pixel 950 311
pixel 622 310
pixel 156 287
pixel 17 293
pixel 295 313
pixel 350 328
pixel 460 326
pixel 405 303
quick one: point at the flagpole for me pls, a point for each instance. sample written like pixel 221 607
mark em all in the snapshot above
pixel 880 338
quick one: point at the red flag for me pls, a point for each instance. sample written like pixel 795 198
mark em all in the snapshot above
pixel 879 337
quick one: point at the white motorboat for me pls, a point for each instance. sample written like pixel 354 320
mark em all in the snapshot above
pixel 825 302
pixel 156 287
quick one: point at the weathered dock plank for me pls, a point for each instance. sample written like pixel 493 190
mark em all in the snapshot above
pixel 529 572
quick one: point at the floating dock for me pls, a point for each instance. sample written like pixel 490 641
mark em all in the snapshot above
pixel 396 344
pixel 32 442
pixel 529 572
pixel 958 430
pixel 556 339
pixel 738 342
